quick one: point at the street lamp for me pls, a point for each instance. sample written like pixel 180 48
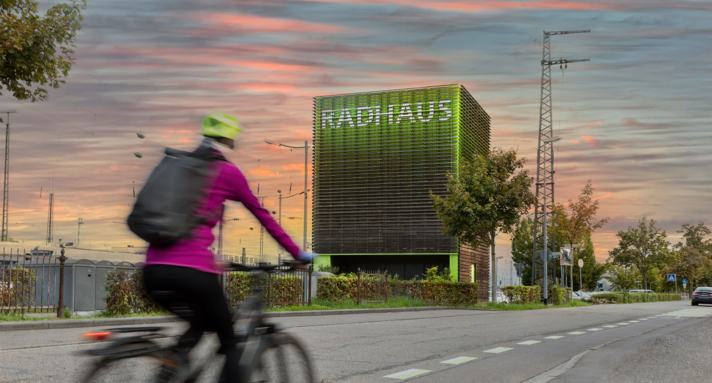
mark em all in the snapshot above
pixel 279 256
pixel 306 155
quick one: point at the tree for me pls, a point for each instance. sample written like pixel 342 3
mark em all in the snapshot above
pixel 36 51
pixel 644 247
pixel 592 271
pixel 623 277
pixel 691 259
pixel 522 244
pixel 579 222
pixel 488 195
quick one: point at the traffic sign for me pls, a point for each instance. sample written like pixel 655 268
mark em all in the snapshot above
pixel 580 262
pixel 520 269
pixel 542 254
pixel 684 283
pixel 672 278
pixel 567 258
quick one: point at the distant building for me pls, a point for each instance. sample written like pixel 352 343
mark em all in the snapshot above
pixel 377 156
pixel 604 284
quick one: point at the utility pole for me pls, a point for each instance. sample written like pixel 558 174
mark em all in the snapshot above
pixel 220 233
pixel 50 218
pixel 262 229
pixel 545 158
pixel 80 222
pixel 6 180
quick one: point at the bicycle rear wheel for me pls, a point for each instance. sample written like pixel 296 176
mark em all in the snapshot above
pixel 140 368
pixel 282 360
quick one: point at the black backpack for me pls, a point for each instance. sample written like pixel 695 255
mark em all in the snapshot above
pixel 165 210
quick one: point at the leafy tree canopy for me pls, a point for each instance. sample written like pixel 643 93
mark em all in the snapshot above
pixel 36 50
pixel 644 247
pixel 489 194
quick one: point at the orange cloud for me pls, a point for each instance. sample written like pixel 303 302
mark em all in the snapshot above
pixel 258 24
pixel 591 140
pixel 485 6
pixel 263 173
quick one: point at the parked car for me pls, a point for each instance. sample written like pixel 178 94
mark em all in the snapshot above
pixel 702 295
pixel 642 291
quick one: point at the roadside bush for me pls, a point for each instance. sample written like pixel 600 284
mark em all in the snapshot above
pixel 17 287
pixel 643 297
pixel 522 294
pixel 283 290
pixel 125 294
pixel 608 297
pixel 439 291
pixel 560 295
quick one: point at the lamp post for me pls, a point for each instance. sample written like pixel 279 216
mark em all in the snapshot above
pixel 280 215
pixel 546 239
pixel 306 172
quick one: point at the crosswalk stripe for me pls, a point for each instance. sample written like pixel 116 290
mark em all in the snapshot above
pixel 459 360
pixel 499 350
pixel 407 374
pixel 554 337
pixel 530 342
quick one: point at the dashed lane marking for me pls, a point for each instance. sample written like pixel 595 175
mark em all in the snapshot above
pixel 554 337
pixel 623 324
pixel 643 319
pixel 577 332
pixel 459 360
pixel 610 326
pixel 635 321
pixel 407 374
pixel 499 350
pixel 595 329
pixel 696 312
pixel 530 342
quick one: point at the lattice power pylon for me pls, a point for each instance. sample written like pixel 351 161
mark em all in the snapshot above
pixel 545 156
pixel 50 219
pixel 6 180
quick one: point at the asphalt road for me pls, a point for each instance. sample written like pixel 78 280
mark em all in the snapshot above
pixel 607 343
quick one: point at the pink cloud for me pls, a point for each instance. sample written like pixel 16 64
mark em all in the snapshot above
pixel 227 23
pixel 263 173
pixel 485 6
pixel 591 140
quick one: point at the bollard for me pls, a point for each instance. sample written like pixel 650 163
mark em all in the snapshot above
pixel 311 269
pixel 60 309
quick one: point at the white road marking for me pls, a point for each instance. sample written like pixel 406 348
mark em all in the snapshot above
pixel 459 360
pixel 499 350
pixel 595 329
pixel 577 332
pixel 623 324
pixel 634 321
pixel 530 342
pixel 407 374
pixel 610 326
pixel 554 337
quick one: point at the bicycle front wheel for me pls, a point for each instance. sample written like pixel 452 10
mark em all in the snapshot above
pixel 140 368
pixel 283 359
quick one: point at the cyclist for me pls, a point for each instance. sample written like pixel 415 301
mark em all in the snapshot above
pixel 189 270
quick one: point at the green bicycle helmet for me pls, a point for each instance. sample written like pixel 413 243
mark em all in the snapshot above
pixel 220 124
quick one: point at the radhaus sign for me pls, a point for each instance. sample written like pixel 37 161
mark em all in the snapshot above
pixel 372 115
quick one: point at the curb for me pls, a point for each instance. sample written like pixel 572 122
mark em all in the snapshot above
pixel 78 323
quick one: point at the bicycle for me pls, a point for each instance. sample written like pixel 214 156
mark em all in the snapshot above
pixel 258 343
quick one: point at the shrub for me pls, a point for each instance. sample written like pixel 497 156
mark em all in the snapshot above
pixel 437 291
pixel 17 287
pixel 125 294
pixel 609 297
pixel 560 295
pixel 283 290
pixel 522 294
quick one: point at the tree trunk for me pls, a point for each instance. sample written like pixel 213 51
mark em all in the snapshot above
pixel 645 279
pixel 573 262
pixel 494 268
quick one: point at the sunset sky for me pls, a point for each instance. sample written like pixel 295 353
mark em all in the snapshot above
pixel 635 119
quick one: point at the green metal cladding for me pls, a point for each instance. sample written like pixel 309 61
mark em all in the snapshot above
pixel 378 155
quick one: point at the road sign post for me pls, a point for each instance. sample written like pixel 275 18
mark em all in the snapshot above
pixel 673 278
pixel 580 265
pixel 684 283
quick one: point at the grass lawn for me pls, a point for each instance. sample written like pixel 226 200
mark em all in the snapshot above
pixel 319 304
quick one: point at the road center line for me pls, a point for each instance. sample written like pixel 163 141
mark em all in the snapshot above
pixel 407 374
pixel 530 342
pixel 499 350
pixel 554 337
pixel 459 360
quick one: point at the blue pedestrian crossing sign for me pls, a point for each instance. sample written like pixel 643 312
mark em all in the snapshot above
pixel 684 281
pixel 671 278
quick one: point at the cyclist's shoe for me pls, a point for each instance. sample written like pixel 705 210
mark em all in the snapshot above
pixel 176 368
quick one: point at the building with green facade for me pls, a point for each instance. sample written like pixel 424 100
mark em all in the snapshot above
pixel 377 157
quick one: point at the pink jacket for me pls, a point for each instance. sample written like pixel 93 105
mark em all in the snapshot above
pixel 195 252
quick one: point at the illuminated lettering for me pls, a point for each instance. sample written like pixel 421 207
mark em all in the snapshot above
pixel 405 108
pixel 345 117
pixel 431 114
pixel 359 115
pixel 327 115
pixel 377 115
pixel 448 111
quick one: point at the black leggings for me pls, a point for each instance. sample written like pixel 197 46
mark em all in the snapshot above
pixel 203 295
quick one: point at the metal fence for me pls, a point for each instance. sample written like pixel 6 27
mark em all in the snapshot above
pixel 380 287
pixel 29 283
pixel 279 288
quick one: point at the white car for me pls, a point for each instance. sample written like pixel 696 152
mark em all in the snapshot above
pixel 581 295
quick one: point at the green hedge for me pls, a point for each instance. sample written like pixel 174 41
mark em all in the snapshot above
pixel 125 294
pixel 335 288
pixel 560 295
pixel 633 298
pixel 283 290
pixel 522 294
